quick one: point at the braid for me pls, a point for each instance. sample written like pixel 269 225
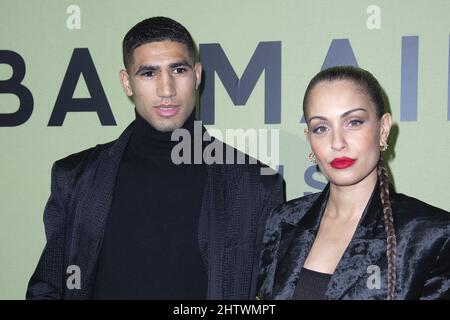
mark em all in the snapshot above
pixel 389 227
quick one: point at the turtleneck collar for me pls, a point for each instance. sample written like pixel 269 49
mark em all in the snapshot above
pixel 146 141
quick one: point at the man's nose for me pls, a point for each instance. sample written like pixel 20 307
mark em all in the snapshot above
pixel 166 86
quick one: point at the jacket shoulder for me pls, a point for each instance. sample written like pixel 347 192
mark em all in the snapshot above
pixel 417 221
pixel 76 160
pixel 293 210
pixel 410 206
pixel 243 165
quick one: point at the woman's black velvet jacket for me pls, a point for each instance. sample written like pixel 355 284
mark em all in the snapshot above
pixel 423 250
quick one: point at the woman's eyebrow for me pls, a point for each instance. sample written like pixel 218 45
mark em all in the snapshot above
pixel 342 115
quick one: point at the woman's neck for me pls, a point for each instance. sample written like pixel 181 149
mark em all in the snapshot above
pixel 348 202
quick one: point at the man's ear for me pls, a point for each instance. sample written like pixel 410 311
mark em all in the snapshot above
pixel 198 75
pixel 385 127
pixel 125 82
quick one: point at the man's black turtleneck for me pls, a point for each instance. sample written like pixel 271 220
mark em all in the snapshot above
pixel 150 248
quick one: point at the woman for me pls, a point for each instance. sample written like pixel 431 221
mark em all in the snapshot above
pixel 357 239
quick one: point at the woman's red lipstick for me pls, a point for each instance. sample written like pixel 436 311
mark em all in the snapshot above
pixel 342 163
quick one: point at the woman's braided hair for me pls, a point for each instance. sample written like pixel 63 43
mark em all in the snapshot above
pixel 389 227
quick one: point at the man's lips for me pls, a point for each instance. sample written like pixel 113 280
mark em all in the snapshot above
pixel 342 163
pixel 167 110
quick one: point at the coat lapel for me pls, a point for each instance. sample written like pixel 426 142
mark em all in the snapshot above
pixel 297 238
pixel 214 229
pixel 367 248
pixel 211 222
pixel 91 214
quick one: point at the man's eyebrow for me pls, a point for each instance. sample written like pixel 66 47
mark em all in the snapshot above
pixel 342 115
pixel 182 63
pixel 146 68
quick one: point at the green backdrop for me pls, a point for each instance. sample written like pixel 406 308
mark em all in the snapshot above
pixel 38 31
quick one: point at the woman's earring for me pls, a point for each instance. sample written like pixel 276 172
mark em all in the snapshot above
pixel 384 146
pixel 312 157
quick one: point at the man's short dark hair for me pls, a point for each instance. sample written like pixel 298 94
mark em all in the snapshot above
pixel 153 30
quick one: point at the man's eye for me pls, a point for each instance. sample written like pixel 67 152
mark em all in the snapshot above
pixel 319 130
pixel 179 70
pixel 148 73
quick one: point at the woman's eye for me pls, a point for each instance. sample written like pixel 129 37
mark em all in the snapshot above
pixel 355 123
pixel 319 130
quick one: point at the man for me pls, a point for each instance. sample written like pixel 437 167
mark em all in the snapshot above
pixel 124 222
